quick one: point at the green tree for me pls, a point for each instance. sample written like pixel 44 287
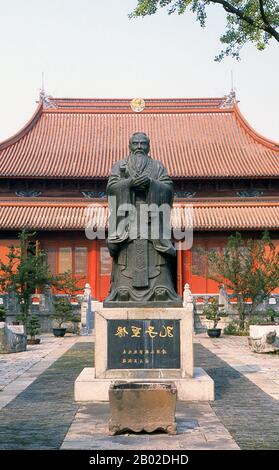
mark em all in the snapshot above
pixel 214 312
pixel 67 282
pixel 63 311
pixel 249 268
pixel 255 21
pixel 33 326
pixel 25 271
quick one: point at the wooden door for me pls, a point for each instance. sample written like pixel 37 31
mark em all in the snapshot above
pixel 198 268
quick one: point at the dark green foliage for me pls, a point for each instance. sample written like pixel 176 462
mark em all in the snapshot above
pixel 233 328
pixel 67 282
pixel 249 268
pixel 63 311
pixel 33 326
pixel 271 315
pixel 2 313
pixel 255 21
pixel 25 271
pixel 214 311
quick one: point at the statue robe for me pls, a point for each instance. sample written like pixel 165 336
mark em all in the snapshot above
pixel 142 267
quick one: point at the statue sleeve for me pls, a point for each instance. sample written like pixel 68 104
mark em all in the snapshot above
pixel 160 194
pixel 161 188
pixel 118 185
pixel 119 194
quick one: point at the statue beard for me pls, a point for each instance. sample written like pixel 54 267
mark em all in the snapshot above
pixel 139 161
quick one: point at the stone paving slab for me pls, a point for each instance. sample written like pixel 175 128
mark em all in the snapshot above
pixel 39 385
pixel 250 414
pixel 39 416
pixel 14 364
pixel 261 369
pixel 19 370
pixel 197 427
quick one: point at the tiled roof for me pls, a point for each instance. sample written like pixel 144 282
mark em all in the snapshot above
pixel 193 138
pixel 207 215
pixel 229 215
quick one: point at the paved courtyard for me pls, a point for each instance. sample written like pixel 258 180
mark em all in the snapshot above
pixel 37 408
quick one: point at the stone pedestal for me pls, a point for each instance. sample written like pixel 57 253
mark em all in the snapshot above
pixel 148 334
pixel 264 338
pixel 12 338
pixel 146 344
pixel 200 387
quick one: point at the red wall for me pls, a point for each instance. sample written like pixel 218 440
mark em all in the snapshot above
pixel 191 265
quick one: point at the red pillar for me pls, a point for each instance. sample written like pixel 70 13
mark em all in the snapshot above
pixel 92 267
pixel 179 271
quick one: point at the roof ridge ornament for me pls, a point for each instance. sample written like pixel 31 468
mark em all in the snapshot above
pixel 137 105
pixel 229 100
pixel 46 99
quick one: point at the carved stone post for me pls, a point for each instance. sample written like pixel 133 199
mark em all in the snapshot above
pixel 187 295
pixel 48 299
pixel 86 314
pixel 223 297
pixel 13 306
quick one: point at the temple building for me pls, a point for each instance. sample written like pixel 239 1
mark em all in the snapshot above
pixel 54 173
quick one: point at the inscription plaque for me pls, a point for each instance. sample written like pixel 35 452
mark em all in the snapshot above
pixel 143 344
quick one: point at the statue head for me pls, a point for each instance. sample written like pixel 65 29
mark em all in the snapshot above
pixel 139 144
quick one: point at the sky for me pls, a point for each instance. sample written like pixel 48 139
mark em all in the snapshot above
pixel 91 49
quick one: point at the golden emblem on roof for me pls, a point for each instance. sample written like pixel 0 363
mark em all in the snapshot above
pixel 137 105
